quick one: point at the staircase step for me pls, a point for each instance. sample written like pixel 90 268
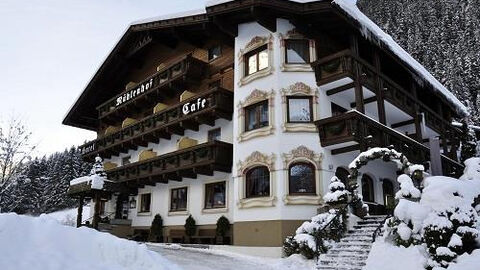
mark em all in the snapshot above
pixel 343 267
pixel 345 262
pixel 349 239
pixel 351 256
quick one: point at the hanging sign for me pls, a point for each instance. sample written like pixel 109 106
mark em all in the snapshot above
pixel 191 107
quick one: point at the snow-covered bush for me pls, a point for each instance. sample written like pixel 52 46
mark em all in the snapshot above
pixel 314 237
pixel 337 193
pixel 443 216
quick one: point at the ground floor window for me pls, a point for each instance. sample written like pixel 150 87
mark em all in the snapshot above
pixel 145 202
pixel 301 176
pixel 257 182
pixel 178 199
pixel 215 194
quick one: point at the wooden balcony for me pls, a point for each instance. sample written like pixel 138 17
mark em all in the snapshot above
pixel 353 131
pixel 153 89
pixel 174 120
pixel 341 65
pixel 201 159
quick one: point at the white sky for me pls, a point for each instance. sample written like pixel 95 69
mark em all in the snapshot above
pixel 49 49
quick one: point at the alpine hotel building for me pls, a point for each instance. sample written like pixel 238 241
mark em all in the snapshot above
pixel 246 109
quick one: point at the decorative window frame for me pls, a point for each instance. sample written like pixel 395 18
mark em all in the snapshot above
pixel 256 159
pixel 255 97
pixel 254 43
pixel 303 154
pixel 178 213
pixel 294 34
pixel 299 89
pixel 204 191
pixel 139 204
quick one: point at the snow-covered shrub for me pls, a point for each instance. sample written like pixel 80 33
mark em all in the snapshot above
pixel 190 227
pixel 314 237
pixel 337 193
pixel 156 229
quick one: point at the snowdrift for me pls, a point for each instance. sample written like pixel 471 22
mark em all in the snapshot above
pixel 43 243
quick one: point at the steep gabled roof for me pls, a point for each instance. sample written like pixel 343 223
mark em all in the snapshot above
pixel 83 113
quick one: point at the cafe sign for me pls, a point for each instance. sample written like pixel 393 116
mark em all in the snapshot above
pixel 195 106
pixel 132 94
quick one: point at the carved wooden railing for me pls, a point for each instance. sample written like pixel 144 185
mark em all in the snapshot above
pixel 354 126
pixel 200 159
pixel 188 67
pixel 341 65
pixel 173 120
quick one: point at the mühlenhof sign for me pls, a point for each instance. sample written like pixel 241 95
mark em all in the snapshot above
pixel 131 94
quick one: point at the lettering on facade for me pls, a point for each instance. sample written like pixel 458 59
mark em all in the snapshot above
pixel 87 149
pixel 131 94
pixel 191 107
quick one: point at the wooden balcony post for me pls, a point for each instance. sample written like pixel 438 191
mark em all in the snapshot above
pixel 379 90
pixel 359 104
pixel 80 211
pixel 96 215
pixel 418 115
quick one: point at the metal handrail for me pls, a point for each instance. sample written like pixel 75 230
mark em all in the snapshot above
pixel 379 227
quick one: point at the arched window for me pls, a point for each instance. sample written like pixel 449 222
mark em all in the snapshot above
pixel 367 188
pixel 258 182
pixel 342 174
pixel 301 177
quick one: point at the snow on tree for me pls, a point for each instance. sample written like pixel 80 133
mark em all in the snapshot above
pixel 407 189
pixel 337 193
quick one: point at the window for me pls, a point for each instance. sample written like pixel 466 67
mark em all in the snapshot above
pixel 145 201
pixel 297 51
pixel 215 195
pixel 256 60
pixel 214 52
pixel 178 199
pixel 214 134
pixel 367 188
pixel 301 178
pixel 258 182
pixel 126 160
pixel 299 109
pixel 256 116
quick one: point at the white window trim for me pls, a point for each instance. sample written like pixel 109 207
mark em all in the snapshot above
pixel 293 34
pixel 178 213
pixel 253 44
pixel 139 204
pixel 254 160
pixel 215 210
pixel 255 97
pixel 299 89
pixel 303 154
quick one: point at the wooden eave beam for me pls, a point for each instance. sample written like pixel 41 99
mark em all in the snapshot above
pixel 339 89
pixel 264 18
pixel 365 101
pixel 403 123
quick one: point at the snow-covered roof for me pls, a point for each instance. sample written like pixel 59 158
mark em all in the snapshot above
pixel 187 13
pixel 369 28
pixel 95 181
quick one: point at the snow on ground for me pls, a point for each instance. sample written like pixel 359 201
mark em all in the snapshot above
pixel 205 259
pixel 42 243
pixel 385 256
pixel 68 216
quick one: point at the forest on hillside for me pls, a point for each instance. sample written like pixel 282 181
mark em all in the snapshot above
pixel 444 36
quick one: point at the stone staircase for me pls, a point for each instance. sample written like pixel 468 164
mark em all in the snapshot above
pixel 352 251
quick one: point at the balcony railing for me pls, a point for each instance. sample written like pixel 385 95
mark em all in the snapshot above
pixel 187 68
pixel 341 65
pixel 200 159
pixel 354 127
pixel 204 108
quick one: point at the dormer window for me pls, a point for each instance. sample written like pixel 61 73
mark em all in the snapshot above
pixel 256 60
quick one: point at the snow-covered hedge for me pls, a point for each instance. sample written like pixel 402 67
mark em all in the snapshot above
pixel 443 216
pixel 315 236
